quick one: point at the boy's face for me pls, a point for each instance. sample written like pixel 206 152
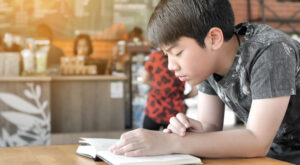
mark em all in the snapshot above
pixel 190 62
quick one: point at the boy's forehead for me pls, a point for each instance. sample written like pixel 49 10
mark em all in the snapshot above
pixel 169 46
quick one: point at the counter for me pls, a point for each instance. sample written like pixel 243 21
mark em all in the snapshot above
pixel 25 79
pixel 85 103
pixel 25 117
pixel 32 107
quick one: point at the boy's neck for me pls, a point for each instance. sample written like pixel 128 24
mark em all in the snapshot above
pixel 226 54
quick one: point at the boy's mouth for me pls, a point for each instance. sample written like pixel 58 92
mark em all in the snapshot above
pixel 181 77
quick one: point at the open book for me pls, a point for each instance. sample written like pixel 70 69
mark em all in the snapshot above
pixel 97 149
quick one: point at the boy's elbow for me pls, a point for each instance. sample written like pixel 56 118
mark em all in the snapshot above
pixel 265 150
pixel 265 147
pixel 260 151
pixel 260 147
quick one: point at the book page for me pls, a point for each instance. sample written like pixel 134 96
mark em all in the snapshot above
pixel 151 160
pixel 87 150
pixel 100 144
pixel 101 147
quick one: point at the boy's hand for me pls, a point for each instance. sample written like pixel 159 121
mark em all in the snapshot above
pixel 142 142
pixel 182 124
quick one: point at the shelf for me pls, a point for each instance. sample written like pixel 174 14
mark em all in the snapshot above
pixel 138 49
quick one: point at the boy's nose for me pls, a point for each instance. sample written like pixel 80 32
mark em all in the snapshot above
pixel 172 65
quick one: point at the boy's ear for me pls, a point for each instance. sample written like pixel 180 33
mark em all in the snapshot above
pixel 214 38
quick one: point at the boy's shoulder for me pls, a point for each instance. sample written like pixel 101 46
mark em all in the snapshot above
pixel 259 37
pixel 261 33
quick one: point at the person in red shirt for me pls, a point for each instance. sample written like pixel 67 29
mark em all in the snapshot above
pixel 166 97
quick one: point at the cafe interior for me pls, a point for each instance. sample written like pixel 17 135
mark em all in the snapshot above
pixel 72 68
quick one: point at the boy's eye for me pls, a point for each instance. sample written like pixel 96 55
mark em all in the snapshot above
pixel 178 54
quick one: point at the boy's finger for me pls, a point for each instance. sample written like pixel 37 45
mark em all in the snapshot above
pixel 128 148
pixel 167 130
pixel 174 121
pixel 176 130
pixel 183 119
pixel 196 125
pixel 125 139
pixel 135 153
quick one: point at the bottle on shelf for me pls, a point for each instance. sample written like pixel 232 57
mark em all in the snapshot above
pixel 28 59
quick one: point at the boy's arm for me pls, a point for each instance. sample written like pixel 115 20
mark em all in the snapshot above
pixel 210 112
pixel 264 120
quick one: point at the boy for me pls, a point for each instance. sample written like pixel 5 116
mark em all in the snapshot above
pixel 253 69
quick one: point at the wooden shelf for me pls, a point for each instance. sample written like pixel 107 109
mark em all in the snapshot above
pixel 138 49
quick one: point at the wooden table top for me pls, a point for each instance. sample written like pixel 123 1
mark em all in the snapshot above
pixel 65 155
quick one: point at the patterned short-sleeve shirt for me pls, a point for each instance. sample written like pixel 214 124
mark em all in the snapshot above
pixel 266 65
pixel 166 97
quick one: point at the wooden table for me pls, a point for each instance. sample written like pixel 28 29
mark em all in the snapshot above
pixel 65 155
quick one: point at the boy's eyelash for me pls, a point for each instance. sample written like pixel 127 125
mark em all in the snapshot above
pixel 178 54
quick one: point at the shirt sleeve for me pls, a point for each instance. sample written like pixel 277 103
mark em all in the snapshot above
pixel 205 87
pixel 273 73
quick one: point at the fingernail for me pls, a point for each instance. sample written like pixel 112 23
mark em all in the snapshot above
pixel 182 129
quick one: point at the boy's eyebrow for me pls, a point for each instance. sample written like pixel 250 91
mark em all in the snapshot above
pixel 170 47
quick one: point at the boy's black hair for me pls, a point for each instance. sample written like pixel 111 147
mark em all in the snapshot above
pixel 88 40
pixel 173 19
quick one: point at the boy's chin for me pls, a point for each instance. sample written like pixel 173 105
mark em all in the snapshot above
pixel 191 82
pixel 194 82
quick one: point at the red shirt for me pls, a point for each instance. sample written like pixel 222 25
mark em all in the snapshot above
pixel 166 97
